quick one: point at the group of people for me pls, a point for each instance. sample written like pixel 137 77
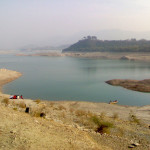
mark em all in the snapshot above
pixel 16 97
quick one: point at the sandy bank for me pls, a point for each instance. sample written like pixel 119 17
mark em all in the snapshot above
pixel 133 56
pixel 7 76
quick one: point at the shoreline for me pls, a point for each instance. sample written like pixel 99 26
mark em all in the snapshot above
pixel 131 56
pixel 9 76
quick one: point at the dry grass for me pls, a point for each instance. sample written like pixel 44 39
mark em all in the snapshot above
pixel 60 107
pixel 22 104
pixel 37 101
pixel 38 111
pixel 103 115
pixel 71 110
pixel 51 104
pixel 133 118
pixel 15 108
pixel 115 116
pixel 63 115
pixel 80 113
pixel 6 101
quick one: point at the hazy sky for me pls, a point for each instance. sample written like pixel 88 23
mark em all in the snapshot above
pixel 52 22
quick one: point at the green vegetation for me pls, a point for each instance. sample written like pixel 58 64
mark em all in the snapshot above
pixel 102 126
pixel 92 44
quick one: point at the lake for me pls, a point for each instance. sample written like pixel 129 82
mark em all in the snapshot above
pixel 78 79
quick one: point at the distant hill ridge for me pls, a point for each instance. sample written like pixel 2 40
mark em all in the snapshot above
pixel 92 44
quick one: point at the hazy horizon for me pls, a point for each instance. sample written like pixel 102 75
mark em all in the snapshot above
pixel 54 23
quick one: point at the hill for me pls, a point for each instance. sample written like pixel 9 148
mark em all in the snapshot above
pixel 92 44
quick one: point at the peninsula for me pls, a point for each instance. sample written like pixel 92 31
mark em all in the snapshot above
pixel 7 76
pixel 135 85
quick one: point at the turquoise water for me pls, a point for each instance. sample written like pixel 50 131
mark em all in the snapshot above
pixel 80 79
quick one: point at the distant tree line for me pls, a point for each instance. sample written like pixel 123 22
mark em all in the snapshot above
pixel 92 44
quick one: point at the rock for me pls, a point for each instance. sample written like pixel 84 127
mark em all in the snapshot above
pixel 131 146
pixel 125 58
pixel 42 114
pixel 136 144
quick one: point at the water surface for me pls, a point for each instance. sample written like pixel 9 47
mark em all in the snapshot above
pixel 80 79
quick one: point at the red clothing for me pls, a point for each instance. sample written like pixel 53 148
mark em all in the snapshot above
pixel 15 97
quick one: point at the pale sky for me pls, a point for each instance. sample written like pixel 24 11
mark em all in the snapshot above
pixel 55 22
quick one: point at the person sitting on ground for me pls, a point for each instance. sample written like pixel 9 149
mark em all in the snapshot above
pixel 11 96
pixel 15 97
pixel 21 97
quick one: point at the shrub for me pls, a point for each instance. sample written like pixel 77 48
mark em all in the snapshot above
pixel 15 109
pixel 115 116
pixel 60 107
pixel 6 101
pixel 22 105
pixel 90 114
pixel 71 110
pixel 102 115
pixel 80 113
pixel 38 111
pixel 133 118
pixel 63 115
pixel 102 126
pixel 51 104
pixel 37 101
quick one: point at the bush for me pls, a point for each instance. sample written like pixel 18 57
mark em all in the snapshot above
pixel 22 105
pixel 133 118
pixel 37 101
pixel 71 110
pixel 115 116
pixel 102 126
pixel 6 101
pixel 15 109
pixel 38 111
pixel 60 107
pixel 80 113
pixel 102 115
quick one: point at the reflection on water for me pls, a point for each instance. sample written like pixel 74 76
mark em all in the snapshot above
pixel 67 78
